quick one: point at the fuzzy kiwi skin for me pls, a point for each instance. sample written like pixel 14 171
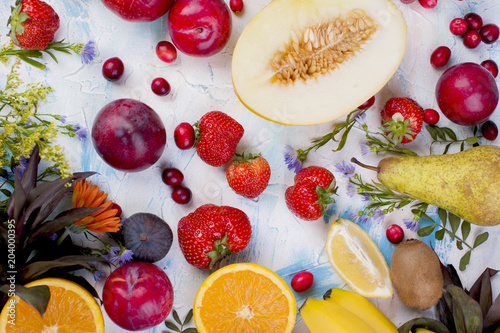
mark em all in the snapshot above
pixel 416 274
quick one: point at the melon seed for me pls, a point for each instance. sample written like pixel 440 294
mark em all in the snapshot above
pixel 319 49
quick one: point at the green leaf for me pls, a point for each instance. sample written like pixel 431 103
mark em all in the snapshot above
pixel 472 140
pixel 38 268
pixel 32 62
pixel 432 131
pixel 447 147
pixel 454 222
pixel 440 133
pixel 172 326
pixel 426 231
pixel 443 216
pixel 176 317
pixel 464 261
pixel 439 234
pixel 481 290
pixel 480 239
pixel 449 132
pixel 188 318
pixel 460 245
pixel 190 330
pixel 428 323
pixel 5 192
pixel 466 311
pixel 52 56
pixel 462 146
pixel 465 230
pixel 38 297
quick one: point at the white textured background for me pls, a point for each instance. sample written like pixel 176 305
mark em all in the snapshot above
pixel 280 241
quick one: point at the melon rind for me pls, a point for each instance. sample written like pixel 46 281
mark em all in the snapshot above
pixel 332 95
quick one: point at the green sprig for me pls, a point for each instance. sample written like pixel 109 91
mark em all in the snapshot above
pixel 445 135
pixel 380 142
pixel 172 326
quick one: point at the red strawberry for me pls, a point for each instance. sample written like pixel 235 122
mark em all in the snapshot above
pixel 248 175
pixel 402 119
pixel 219 135
pixel 33 24
pixel 312 191
pixel 211 233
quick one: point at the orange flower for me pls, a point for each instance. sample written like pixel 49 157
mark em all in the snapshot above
pixel 105 220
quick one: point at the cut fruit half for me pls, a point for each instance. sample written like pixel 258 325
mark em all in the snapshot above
pixel 303 62
pixel 244 298
pixel 357 260
pixel 71 308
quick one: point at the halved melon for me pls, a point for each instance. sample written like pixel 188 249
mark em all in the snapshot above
pixel 304 62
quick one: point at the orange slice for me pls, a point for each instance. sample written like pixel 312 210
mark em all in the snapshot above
pixel 357 260
pixel 71 309
pixel 244 298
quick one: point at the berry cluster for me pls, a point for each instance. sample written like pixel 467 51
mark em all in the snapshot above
pixel 473 31
pixel 424 3
pixel 174 177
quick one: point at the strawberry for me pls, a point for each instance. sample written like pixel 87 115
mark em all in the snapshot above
pixel 248 175
pixel 311 193
pixel 402 119
pixel 33 24
pixel 211 233
pixel 219 135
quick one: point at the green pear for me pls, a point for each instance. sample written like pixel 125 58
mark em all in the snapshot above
pixel 466 184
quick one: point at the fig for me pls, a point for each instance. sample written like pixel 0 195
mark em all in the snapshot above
pixel 305 62
pixel 147 235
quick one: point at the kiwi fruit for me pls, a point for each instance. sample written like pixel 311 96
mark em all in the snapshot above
pixel 148 236
pixel 416 274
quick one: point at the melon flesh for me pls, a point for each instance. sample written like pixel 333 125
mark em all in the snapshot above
pixel 326 96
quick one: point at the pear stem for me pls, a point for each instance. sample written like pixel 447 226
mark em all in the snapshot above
pixel 366 166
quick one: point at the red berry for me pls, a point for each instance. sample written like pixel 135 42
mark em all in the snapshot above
pixel 181 195
pixel 407 2
pixel 160 86
pixel 113 69
pixel 428 3
pixel 489 33
pixel 474 21
pixel 236 5
pixel 489 130
pixel 367 104
pixel 440 57
pixel 491 66
pixel 302 281
pixel 458 26
pixel 172 176
pixel 395 234
pixel 117 207
pixel 431 116
pixel 184 136
pixel 472 39
pixel 166 51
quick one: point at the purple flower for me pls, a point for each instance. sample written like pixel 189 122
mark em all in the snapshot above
pixel 119 255
pixel 366 197
pixel 28 122
pixel 81 134
pixel 63 119
pixel 365 149
pixel 364 218
pixel 346 169
pixel 53 237
pixel 361 118
pixel 98 274
pixel 291 159
pixel 378 216
pixel 76 127
pixel 411 224
pixel 351 189
pixel 87 53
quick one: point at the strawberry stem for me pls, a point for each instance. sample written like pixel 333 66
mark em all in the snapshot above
pixel 397 130
pixel 220 251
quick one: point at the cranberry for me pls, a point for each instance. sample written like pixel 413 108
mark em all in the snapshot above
pixel 458 26
pixel 489 33
pixel 407 2
pixel 172 176
pixel 440 57
pixel 367 104
pixel 118 208
pixel 474 21
pixel 428 3
pixel 302 281
pixel 160 86
pixel 236 5
pixel 472 39
pixel 489 130
pixel 166 51
pixel 491 66
pixel 181 195
pixel 184 136
pixel 395 234
pixel 431 116
pixel 113 69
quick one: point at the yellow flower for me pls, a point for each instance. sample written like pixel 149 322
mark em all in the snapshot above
pixel 105 220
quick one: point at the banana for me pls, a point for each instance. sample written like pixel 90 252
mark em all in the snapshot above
pixel 362 308
pixel 322 316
